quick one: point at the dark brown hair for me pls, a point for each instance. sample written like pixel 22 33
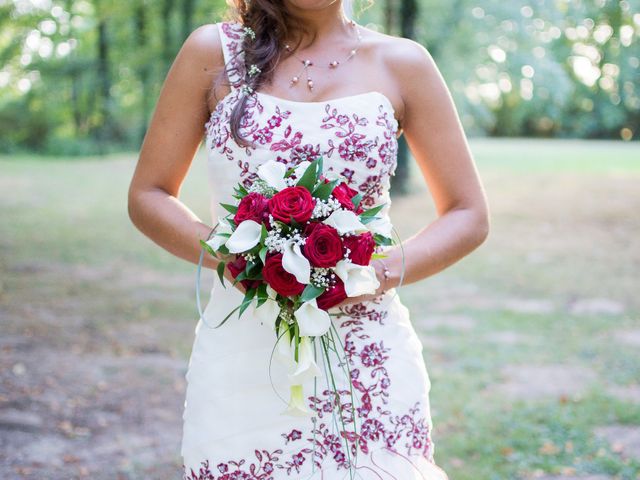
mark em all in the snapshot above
pixel 271 23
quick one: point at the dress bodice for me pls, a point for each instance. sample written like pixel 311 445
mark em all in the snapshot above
pixel 355 134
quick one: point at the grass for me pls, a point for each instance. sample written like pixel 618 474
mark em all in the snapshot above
pixel 558 276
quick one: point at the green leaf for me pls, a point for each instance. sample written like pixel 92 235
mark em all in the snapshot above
pixel 320 161
pixel 253 269
pixel 293 223
pixel 308 179
pixel 220 270
pixel 262 294
pixel 229 208
pixel 289 172
pixel 382 240
pixel 372 211
pixel 263 232
pixel 208 247
pixel 365 220
pixel 310 292
pixel 323 190
pixel 356 199
pixel 263 254
pixel 248 296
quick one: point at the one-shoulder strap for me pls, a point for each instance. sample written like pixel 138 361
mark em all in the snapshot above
pixel 231 35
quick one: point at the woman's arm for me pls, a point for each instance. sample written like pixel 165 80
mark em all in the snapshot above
pixel 170 144
pixel 438 143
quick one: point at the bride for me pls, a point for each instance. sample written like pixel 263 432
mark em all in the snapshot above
pixel 291 80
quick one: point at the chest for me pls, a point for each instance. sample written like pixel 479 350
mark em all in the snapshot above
pixel 356 135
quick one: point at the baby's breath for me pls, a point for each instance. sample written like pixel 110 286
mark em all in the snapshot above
pixel 324 208
pixel 248 31
pixel 322 277
pixel 260 186
pixel 286 316
pixel 246 89
pixel 276 240
pixel 254 70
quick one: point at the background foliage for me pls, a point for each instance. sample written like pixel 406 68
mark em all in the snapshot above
pixel 82 76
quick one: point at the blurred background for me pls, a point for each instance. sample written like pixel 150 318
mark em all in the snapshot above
pixel 532 342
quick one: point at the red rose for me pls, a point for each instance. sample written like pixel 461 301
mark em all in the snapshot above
pixel 253 206
pixel 361 247
pixel 237 267
pixel 280 280
pixel 323 247
pixel 332 296
pixel 344 193
pixel 309 228
pixel 294 202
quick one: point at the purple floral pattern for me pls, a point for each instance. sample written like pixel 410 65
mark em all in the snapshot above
pixel 407 434
pixel 361 144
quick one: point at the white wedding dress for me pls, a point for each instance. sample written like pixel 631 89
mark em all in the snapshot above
pixel 234 427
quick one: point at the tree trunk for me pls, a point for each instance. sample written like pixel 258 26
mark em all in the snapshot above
pixel 389 16
pixel 188 6
pixel 104 82
pixel 143 70
pixel 167 47
pixel 400 181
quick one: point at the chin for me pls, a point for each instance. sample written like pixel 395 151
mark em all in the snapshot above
pixel 311 4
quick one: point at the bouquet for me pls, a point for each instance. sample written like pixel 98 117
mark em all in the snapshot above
pixel 300 242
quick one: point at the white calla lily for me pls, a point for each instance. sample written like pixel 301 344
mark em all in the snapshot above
pixel 381 225
pixel 345 221
pixel 357 279
pixel 273 173
pixel 312 320
pixel 218 240
pixel 297 407
pixel 267 313
pixel 306 367
pixel 294 262
pixel 245 237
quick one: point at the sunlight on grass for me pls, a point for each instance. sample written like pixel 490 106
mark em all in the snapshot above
pixel 553 291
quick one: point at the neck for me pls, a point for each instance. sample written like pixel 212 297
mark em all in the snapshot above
pixel 324 22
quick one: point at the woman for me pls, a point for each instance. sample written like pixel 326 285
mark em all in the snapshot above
pixel 302 80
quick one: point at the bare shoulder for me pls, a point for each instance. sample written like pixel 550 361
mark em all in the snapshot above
pixel 205 43
pixel 406 65
pixel 201 54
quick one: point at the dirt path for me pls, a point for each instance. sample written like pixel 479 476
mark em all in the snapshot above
pixel 90 390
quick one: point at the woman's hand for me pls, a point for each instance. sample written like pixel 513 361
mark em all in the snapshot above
pixel 385 283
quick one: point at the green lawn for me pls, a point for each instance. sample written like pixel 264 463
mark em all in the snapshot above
pixel 532 342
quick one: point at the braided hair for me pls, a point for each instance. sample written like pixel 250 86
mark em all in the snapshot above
pixel 269 23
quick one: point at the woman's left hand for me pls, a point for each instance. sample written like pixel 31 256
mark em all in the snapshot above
pixel 379 267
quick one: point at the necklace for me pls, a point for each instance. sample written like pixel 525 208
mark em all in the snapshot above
pixel 306 63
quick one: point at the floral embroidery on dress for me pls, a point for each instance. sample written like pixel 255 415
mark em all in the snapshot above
pixel 358 140
pixel 406 434
pixel 365 139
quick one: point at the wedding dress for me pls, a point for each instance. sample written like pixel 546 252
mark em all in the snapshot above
pixel 234 427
